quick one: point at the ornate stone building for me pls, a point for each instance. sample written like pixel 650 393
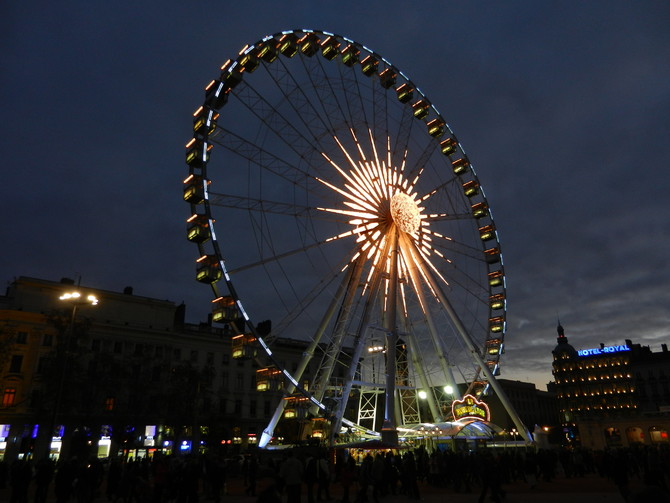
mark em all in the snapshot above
pixel 126 376
pixel 612 395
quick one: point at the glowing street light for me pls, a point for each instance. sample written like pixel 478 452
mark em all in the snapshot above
pixel 77 299
pixel 76 296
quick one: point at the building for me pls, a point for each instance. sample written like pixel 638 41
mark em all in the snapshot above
pixel 536 408
pixel 127 376
pixel 612 395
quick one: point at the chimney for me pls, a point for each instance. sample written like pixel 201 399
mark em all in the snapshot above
pixel 128 290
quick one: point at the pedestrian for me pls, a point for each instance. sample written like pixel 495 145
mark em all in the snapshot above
pixel 291 472
pixel 310 477
pixel 491 479
pixel 323 478
pixel 347 477
pixel 20 475
pixel 252 473
pixel 66 474
pixel 44 472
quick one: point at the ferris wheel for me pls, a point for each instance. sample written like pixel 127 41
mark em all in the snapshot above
pixel 330 196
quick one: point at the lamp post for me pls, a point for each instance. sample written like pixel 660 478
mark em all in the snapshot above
pixel 76 299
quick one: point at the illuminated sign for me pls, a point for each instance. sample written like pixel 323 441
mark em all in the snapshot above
pixel 470 407
pixel 603 350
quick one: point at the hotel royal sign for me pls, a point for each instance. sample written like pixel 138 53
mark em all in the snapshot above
pixel 603 350
pixel 470 407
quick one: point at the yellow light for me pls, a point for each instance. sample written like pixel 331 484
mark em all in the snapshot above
pixel 75 296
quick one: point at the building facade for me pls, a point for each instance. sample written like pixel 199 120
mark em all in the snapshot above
pixel 536 408
pixel 612 395
pixel 126 376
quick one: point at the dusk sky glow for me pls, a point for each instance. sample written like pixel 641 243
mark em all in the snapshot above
pixel 562 107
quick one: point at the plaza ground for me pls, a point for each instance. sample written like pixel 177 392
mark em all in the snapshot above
pixel 590 488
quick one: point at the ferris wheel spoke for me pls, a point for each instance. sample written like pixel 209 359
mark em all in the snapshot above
pixel 418 289
pixel 277 257
pixel 311 296
pixel 442 188
pixel 419 165
pixel 263 158
pixel 446 217
pixel 436 288
pixel 356 109
pixel 274 207
pixel 380 111
pixel 329 100
pixel 286 131
pixel 308 110
pixel 402 136
pixel 455 248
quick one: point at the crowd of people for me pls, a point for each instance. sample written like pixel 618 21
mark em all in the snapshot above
pixel 311 475
pixel 484 472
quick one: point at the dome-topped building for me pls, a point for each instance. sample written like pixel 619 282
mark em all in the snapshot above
pixel 612 395
pixel 563 349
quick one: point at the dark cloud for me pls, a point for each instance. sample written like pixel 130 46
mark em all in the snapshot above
pixel 563 107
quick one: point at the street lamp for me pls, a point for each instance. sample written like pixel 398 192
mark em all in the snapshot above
pixel 76 299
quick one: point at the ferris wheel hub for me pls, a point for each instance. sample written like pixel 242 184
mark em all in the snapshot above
pixel 405 213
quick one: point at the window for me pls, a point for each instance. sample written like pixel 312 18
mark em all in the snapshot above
pixel 35 398
pixel 42 364
pixel 118 347
pixel 15 365
pixel 252 408
pixel 95 345
pixel 266 408
pixel 240 380
pixel 225 358
pixel 210 358
pixel 222 405
pixel 8 397
pixel 224 380
pixel 238 406
pixel 21 337
pixel 47 340
pixel 194 356
pixel 159 351
pixel 109 403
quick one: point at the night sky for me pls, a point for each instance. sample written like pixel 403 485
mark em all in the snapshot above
pixel 563 108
